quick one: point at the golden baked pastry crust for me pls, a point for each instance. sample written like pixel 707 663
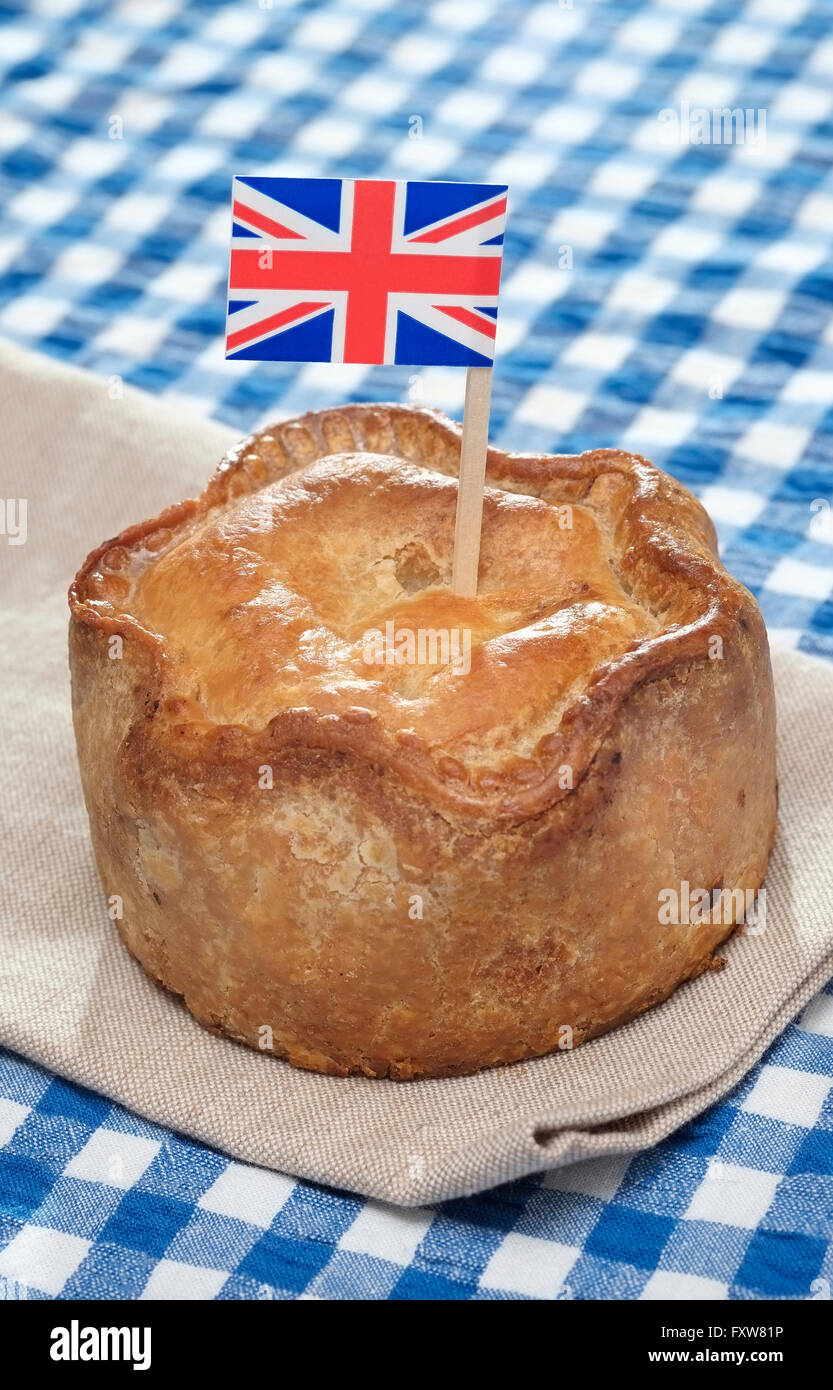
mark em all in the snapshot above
pixel 399 870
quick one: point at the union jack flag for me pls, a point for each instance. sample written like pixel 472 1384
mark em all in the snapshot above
pixel 365 270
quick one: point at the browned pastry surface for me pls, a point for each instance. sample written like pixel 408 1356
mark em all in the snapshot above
pixel 401 869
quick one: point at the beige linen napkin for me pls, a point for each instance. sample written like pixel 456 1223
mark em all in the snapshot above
pixel 72 999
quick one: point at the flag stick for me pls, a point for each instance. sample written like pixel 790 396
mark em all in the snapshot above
pixel 472 477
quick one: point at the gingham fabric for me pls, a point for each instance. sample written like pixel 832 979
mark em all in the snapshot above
pixel 674 298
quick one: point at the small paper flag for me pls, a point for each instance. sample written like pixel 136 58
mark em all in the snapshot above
pixel 365 270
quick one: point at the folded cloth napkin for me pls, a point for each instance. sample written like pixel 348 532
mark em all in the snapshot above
pixel 89 459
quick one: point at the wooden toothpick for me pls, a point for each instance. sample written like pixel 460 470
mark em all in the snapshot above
pixel 472 478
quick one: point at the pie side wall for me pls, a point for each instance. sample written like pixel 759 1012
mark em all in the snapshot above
pixel 295 909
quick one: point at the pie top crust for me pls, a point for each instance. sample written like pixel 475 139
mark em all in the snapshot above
pixel 248 606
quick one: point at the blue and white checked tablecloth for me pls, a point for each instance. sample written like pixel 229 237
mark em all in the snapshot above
pixel 675 298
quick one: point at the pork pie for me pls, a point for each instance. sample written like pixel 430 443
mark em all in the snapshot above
pixel 376 828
